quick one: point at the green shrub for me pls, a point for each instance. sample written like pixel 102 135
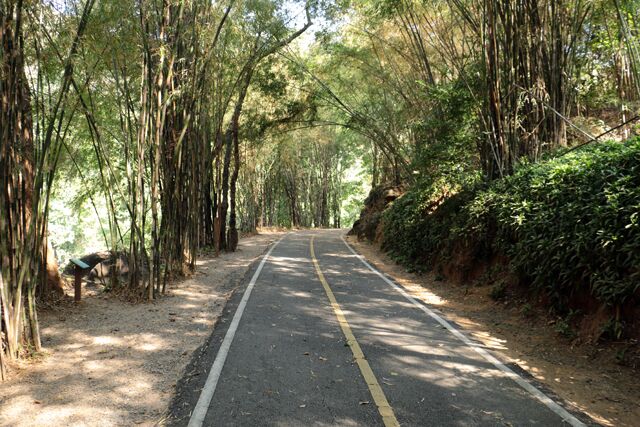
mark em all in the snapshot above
pixel 498 291
pixel 527 310
pixel 569 224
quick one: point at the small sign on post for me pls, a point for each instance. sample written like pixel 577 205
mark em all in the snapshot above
pixel 80 268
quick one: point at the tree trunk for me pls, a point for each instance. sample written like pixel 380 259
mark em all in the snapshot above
pixel 20 250
pixel 224 203
pixel 233 229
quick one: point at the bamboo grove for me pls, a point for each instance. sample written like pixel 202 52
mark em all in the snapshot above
pixel 179 124
pixel 478 85
pixel 141 99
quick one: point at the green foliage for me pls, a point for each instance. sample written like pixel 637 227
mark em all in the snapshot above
pixel 613 329
pixel 445 164
pixel 418 225
pixel 526 310
pixel 563 326
pixel 498 291
pixel 448 134
pixel 352 192
pixel 568 225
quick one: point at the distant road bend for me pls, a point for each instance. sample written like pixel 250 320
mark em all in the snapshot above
pixel 318 337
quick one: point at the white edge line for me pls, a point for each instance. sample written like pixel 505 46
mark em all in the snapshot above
pixel 202 407
pixel 543 398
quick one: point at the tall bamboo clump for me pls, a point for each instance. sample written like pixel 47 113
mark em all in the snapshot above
pixel 182 171
pixel 27 170
pixel 19 250
pixel 529 54
pixel 628 12
pixel 171 131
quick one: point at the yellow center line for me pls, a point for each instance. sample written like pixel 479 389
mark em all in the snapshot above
pixel 388 417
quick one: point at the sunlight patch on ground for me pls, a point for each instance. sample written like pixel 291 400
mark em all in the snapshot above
pixel 107 340
pixel 114 363
pixel 543 370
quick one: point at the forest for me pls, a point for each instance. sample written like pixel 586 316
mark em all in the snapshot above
pixel 492 138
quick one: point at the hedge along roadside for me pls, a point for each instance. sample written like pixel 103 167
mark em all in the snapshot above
pixel 568 225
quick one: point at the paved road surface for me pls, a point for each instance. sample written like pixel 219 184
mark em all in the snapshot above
pixel 319 339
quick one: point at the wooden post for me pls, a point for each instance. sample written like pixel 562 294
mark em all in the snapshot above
pixel 80 268
pixel 77 284
pixel 216 231
pixel 2 366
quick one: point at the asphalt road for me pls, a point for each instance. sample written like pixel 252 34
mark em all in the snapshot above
pixel 331 342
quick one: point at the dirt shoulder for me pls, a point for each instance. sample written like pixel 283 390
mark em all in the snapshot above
pixel 109 362
pixel 586 375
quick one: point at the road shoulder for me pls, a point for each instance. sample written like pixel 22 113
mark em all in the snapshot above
pixel 110 362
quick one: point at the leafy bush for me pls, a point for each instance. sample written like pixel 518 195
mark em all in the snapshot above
pixel 567 224
pixel 445 162
pixel 498 291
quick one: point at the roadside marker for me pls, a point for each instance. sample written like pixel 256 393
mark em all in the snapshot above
pixel 388 417
pixel 543 398
pixel 200 411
